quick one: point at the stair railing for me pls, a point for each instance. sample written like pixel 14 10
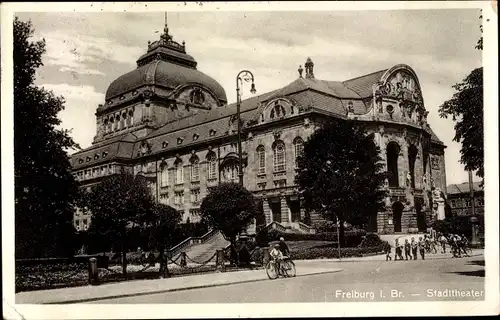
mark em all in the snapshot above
pixel 192 240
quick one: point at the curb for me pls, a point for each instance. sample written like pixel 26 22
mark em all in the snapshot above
pixel 180 289
pixel 360 259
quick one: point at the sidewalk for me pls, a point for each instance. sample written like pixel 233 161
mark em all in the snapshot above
pixel 143 287
pixel 381 257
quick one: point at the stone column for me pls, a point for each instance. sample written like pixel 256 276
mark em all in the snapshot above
pixel 267 210
pixel 440 209
pixel 285 211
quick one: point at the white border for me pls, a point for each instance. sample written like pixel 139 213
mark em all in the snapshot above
pixel 490 62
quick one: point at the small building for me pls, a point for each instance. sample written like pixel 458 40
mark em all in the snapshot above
pixel 459 199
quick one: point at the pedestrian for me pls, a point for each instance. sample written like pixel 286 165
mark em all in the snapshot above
pixel 427 242
pixel 399 251
pixel 387 250
pixel 414 248
pixel 407 250
pixel 421 247
pixel 457 241
pixel 464 244
pixel 433 245
pixel 443 241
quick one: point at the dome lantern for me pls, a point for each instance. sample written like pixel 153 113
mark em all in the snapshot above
pixel 165 65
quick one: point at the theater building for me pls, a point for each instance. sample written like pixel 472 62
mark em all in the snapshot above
pixel 172 123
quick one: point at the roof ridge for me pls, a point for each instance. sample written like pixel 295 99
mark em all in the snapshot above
pixel 155 134
pixel 106 143
pixel 365 75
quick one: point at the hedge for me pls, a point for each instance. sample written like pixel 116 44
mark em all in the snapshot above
pixel 352 238
pixel 332 252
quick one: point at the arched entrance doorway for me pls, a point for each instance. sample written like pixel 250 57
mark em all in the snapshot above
pixel 412 157
pixel 392 164
pixel 421 223
pixel 397 213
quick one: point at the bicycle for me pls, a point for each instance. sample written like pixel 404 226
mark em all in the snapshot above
pixel 287 269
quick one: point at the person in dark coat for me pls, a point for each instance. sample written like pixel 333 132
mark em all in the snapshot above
pixel 407 250
pixel 284 248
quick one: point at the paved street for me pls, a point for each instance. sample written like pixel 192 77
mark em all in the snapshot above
pixel 359 281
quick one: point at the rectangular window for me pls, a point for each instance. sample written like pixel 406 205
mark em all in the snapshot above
pixel 212 170
pixel 480 202
pixel 179 198
pixel 453 204
pixel 171 176
pixel 195 195
pixel 164 176
pixel 164 198
pixel 467 203
pixel 261 155
pixel 195 171
pixel 179 174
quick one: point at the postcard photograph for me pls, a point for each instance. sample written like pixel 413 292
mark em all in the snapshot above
pixel 198 154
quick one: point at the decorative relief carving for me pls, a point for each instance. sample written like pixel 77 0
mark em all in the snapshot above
pixel 277 134
pixel 145 148
pixel 196 96
pixel 435 163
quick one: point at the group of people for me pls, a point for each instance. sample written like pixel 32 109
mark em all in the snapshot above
pixel 428 244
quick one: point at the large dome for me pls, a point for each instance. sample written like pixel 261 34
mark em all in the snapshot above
pixel 165 65
pixel 165 74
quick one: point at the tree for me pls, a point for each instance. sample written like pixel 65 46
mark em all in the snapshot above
pixel 163 229
pixel 340 174
pixel 117 203
pixel 45 190
pixel 229 208
pixel 466 110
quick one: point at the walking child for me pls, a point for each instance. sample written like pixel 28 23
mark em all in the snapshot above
pixel 414 248
pixel 421 247
pixel 399 251
pixel 407 250
pixel 387 250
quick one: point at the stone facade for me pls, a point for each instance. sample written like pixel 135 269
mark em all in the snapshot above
pixel 459 199
pixel 183 137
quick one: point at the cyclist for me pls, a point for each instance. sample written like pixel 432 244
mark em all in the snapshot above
pixel 284 248
pixel 276 256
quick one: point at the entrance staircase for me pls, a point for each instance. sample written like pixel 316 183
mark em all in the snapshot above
pixel 200 249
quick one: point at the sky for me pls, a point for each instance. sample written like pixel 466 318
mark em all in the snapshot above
pixel 87 51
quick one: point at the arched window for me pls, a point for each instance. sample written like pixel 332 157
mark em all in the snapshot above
pixel 179 172
pixel 298 148
pixel 105 127
pixel 130 118
pixel 279 156
pixel 195 169
pixel 111 126
pixel 212 166
pixel 261 159
pixel 123 120
pixel 163 175
pixel 392 164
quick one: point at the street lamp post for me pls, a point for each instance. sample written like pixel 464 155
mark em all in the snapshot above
pixel 247 76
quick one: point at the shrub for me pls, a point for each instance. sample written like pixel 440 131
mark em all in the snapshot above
pixel 370 240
